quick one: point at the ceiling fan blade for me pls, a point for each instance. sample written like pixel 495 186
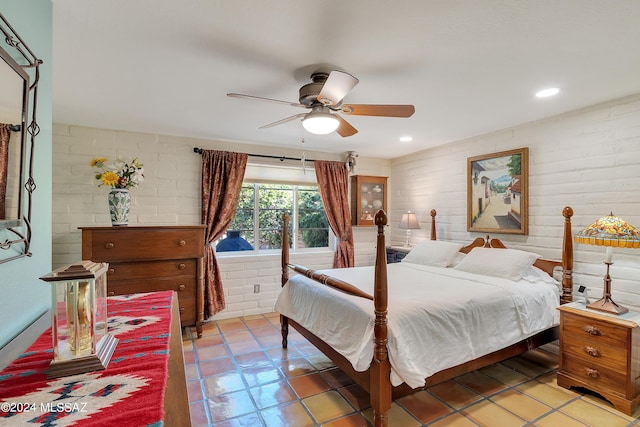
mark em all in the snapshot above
pixel 380 110
pixel 336 87
pixel 279 122
pixel 260 98
pixel 344 128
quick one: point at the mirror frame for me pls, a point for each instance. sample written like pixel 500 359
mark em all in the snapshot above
pixel 23 60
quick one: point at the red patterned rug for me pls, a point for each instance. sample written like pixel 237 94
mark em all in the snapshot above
pixel 130 392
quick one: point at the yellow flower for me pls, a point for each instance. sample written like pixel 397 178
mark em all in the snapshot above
pixel 98 162
pixel 110 179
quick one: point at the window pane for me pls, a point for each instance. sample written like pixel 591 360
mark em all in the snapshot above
pixel 274 200
pixel 312 222
pixel 243 220
pixel 315 238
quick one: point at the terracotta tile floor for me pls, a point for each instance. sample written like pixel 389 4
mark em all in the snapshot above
pixel 238 375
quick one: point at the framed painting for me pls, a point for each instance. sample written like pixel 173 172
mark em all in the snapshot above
pixel 498 192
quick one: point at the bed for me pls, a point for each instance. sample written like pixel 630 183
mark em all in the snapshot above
pixel 393 344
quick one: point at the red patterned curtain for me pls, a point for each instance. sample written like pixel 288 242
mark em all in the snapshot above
pixel 333 183
pixel 222 175
pixel 5 135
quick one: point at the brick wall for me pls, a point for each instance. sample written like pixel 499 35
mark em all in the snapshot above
pixel 171 195
pixel 587 159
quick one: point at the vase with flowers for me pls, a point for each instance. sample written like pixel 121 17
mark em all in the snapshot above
pixel 119 176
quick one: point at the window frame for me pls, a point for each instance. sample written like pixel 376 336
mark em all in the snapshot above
pixel 294 230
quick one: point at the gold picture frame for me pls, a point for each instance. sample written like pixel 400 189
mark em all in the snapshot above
pixel 498 192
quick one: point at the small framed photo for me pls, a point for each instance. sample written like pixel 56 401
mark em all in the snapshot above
pixel 498 192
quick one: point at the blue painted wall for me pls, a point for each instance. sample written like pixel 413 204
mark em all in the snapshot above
pixel 23 297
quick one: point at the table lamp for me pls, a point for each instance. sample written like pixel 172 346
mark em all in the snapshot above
pixel 409 222
pixel 611 232
pixel 81 342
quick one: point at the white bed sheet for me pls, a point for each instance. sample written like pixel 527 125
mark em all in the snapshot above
pixel 437 317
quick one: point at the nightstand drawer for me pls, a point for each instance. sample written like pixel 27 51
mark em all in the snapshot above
pixel 598 331
pixel 595 352
pixel 594 375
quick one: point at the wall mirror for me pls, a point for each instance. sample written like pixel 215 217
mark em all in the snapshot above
pixel 19 74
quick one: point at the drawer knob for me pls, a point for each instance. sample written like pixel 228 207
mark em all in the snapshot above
pixel 591 351
pixel 181 287
pixel 111 270
pixel 182 243
pixel 182 266
pixel 592 373
pixel 109 245
pixel 592 330
pixel 181 310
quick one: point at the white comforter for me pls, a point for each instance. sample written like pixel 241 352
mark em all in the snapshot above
pixel 437 317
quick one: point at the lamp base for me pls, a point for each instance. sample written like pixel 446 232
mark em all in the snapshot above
pixel 608 305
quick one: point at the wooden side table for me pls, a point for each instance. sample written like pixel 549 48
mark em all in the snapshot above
pixel 601 352
pixel 396 253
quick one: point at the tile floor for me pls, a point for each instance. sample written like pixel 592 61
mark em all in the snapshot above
pixel 238 375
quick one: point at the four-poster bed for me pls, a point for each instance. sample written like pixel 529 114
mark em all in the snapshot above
pixel 384 377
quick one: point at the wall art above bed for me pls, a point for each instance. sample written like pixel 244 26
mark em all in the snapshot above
pixel 498 192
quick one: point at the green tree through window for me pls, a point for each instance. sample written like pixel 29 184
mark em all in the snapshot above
pixel 258 217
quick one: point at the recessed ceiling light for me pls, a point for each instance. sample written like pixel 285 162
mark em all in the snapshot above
pixel 547 92
pixel 406 138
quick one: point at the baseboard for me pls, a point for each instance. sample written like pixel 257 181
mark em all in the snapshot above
pixel 24 339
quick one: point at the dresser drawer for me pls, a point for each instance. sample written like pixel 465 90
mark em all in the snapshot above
pixel 184 286
pixel 143 270
pixel 109 245
pixel 594 375
pixel 595 352
pixel 598 332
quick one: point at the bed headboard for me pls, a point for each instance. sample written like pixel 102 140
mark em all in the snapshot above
pixel 545 265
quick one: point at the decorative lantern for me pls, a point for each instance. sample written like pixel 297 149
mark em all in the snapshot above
pixel 79 324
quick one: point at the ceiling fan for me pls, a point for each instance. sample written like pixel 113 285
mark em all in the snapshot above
pixel 324 97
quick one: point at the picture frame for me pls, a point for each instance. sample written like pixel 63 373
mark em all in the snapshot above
pixel 498 192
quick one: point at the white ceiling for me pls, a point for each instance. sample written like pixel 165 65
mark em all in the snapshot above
pixel 469 67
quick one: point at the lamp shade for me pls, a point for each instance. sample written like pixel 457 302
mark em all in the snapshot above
pixel 611 231
pixel 409 221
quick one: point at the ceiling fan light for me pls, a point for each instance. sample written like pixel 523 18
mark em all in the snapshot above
pixel 320 123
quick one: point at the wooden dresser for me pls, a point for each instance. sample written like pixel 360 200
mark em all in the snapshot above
pixel 601 353
pixel 153 258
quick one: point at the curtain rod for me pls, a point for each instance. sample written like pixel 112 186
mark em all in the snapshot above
pixel 264 156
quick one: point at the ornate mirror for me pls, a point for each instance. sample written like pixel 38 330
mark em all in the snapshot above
pixel 18 95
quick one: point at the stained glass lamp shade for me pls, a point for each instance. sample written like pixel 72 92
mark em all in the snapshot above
pixel 611 232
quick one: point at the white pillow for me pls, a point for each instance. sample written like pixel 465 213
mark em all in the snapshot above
pixel 507 263
pixel 535 275
pixel 434 253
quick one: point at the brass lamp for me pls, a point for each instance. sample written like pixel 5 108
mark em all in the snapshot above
pixel 408 222
pixel 612 232
pixel 81 342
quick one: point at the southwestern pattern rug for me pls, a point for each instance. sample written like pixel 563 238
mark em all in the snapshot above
pixel 129 393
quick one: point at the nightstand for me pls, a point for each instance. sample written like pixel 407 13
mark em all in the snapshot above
pixel 396 253
pixel 601 352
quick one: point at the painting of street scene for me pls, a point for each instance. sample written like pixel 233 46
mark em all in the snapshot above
pixel 497 193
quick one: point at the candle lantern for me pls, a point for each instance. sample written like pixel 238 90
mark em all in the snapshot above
pixel 81 342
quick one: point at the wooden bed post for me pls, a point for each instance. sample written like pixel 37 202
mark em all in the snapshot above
pixel 567 257
pixel 284 321
pixel 433 224
pixel 380 389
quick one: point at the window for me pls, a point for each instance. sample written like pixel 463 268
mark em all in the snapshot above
pixel 258 218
